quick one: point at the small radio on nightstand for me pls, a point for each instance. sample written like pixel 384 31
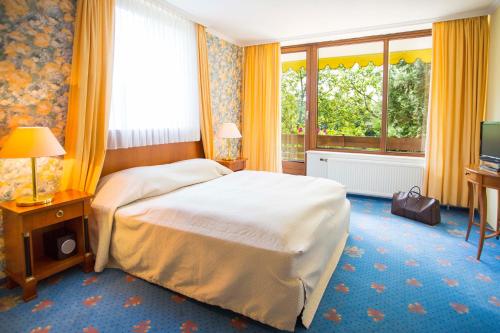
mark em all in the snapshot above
pixel 59 243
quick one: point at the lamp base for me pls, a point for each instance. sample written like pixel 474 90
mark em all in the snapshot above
pixel 41 199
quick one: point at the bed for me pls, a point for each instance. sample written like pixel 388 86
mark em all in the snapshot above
pixel 261 244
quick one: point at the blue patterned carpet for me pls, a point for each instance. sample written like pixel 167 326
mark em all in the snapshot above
pixel 396 275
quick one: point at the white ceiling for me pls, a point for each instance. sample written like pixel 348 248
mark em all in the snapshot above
pixel 260 21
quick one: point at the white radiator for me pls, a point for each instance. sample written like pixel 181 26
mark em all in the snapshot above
pixel 367 174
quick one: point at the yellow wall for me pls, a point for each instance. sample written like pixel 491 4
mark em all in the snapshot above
pixel 493 106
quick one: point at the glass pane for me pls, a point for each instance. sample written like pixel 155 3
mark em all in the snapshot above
pixel 408 99
pixel 350 96
pixel 293 105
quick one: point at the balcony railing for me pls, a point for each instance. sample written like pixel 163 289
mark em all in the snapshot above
pixel 292 145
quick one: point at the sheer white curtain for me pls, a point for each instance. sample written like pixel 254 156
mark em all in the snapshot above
pixel 154 97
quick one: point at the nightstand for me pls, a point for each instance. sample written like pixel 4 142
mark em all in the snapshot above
pixel 235 165
pixel 26 262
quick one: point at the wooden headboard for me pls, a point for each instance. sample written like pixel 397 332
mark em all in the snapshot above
pixel 119 159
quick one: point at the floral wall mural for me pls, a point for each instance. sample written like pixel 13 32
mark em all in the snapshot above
pixel 225 61
pixel 36 41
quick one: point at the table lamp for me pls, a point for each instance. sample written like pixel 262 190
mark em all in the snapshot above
pixel 32 142
pixel 228 131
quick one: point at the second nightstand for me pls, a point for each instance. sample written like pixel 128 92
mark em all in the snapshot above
pixel 235 165
pixel 26 262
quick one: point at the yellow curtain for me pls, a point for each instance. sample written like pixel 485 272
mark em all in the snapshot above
pixel 207 132
pixel 261 116
pixel 89 95
pixel 457 105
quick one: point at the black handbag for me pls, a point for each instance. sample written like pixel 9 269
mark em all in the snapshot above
pixel 415 206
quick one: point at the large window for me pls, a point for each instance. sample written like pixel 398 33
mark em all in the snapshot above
pixel 359 95
pixel 154 98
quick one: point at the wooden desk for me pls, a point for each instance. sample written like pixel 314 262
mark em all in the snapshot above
pixel 481 179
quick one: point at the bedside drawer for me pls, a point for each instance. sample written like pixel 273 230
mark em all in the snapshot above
pixel 472 176
pixel 52 216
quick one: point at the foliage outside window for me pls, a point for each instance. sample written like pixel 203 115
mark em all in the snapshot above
pixel 408 96
pixel 293 109
pixel 350 101
pixel 293 101
pixel 350 93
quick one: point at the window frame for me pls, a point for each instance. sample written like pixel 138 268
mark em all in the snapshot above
pixel 311 50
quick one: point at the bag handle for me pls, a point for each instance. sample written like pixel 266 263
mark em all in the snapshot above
pixel 413 193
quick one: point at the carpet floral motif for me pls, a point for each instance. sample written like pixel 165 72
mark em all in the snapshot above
pixel 393 291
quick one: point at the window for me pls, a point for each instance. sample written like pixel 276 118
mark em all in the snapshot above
pixel 350 96
pixel 293 105
pixel 154 98
pixel 362 95
pixel 408 93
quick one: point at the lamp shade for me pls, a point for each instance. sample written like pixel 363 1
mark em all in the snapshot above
pixel 31 142
pixel 228 131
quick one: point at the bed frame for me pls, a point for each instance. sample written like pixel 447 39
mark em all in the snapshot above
pixel 120 159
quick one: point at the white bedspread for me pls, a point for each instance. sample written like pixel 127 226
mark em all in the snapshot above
pixel 126 186
pixel 260 209
pixel 253 242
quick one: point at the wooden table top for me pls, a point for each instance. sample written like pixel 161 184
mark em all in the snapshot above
pixel 60 199
pixel 474 168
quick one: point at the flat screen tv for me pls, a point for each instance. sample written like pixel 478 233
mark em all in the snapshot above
pixel 490 141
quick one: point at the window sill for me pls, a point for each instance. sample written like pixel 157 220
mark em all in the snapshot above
pixel 371 152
